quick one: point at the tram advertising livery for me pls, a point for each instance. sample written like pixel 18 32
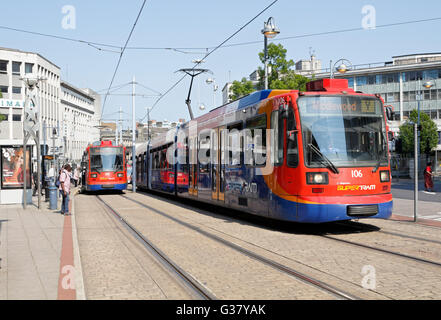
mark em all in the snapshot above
pixel 104 167
pixel 315 156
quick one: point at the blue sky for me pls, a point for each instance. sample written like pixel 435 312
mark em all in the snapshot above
pixel 198 23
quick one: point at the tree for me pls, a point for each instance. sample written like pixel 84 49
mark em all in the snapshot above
pixel 428 133
pixel 241 88
pixel 280 75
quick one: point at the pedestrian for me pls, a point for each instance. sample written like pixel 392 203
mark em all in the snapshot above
pixel 428 181
pixel 35 183
pixel 65 188
pixel 76 176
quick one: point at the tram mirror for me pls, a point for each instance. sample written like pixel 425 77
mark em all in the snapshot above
pixel 292 134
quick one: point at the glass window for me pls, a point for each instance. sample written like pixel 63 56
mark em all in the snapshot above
pixel 430 74
pixel 426 95
pixel 439 94
pixel 405 76
pixel 378 79
pixel 3 66
pixel 419 75
pixel 16 90
pixel 16 117
pixel 390 97
pixel 29 67
pixel 361 81
pixel 277 132
pixel 433 114
pixel 342 131
pixel 4 116
pixel 255 145
pixel 16 67
pixel 412 95
pixel 412 75
pixel 292 152
pixel 351 82
pixel 406 96
pixel 4 89
pixel 433 94
pixel 106 159
pixel 371 80
pixel 235 142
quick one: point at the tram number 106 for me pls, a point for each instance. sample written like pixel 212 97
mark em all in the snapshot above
pixel 357 174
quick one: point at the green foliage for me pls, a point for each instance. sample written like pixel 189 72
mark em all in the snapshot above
pixel 280 76
pixel 241 88
pixel 2 117
pixel 428 133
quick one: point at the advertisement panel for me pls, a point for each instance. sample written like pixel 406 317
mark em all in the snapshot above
pixel 12 169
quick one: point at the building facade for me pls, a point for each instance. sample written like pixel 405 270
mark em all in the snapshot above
pixel 400 84
pixel 15 65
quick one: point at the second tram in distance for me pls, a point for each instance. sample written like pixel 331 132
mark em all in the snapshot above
pixel 323 155
pixel 104 167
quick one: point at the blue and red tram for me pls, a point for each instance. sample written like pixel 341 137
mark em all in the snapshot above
pixel 104 167
pixel 315 156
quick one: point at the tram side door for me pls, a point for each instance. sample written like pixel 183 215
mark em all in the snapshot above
pixel 218 144
pixel 193 178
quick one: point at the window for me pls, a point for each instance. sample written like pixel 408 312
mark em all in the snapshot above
pixel 378 79
pixel 430 74
pixel 29 67
pixel 235 144
pixel 255 141
pixel 426 95
pixel 390 97
pixel 204 151
pixel 3 66
pixel 412 95
pixel 5 116
pixel 371 80
pixel 16 90
pixel 16 67
pixel 4 89
pixel 439 94
pixel 16 117
pixel 406 96
pixel 277 145
pixel 351 82
pixel 292 152
pixel 361 81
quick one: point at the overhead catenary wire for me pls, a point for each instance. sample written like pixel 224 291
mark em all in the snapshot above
pixel 185 50
pixel 122 53
pixel 208 54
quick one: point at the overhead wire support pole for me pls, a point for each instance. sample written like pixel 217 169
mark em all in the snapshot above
pixel 133 137
pixel 192 72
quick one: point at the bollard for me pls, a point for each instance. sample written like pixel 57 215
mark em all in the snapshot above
pixel 53 200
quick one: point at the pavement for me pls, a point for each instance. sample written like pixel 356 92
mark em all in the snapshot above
pixel 36 253
pixel 39 251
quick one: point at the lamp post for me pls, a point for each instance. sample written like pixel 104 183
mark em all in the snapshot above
pixel 215 87
pixel 345 66
pixel 427 85
pixel 269 31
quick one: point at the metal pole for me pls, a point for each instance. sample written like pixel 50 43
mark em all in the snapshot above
pixel 133 138
pixel 330 70
pixel 265 61
pixel 25 198
pixel 415 208
pixel 39 170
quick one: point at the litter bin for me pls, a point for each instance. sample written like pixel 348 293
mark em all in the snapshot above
pixel 53 201
pixel 46 190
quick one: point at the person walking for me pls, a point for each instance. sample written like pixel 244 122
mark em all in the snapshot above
pixel 428 181
pixel 65 188
pixel 75 176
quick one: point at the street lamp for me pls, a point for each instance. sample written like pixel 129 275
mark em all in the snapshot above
pixel 428 84
pixel 215 87
pixel 269 31
pixel 344 66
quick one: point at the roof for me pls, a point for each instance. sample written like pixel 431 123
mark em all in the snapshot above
pixel 17 50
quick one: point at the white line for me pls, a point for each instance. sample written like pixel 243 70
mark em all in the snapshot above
pixel 79 281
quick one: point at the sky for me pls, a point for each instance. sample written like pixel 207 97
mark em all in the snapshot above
pixel 204 24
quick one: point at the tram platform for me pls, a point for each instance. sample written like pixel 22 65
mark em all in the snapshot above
pixel 36 253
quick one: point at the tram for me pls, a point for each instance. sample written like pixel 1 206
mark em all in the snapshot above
pixel 104 167
pixel 312 157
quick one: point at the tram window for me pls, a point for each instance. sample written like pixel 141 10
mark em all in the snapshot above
pixel 277 141
pixel 255 141
pixel 204 152
pixel 292 151
pixel 235 144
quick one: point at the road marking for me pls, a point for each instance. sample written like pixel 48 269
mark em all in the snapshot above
pixel 431 193
pixel 432 217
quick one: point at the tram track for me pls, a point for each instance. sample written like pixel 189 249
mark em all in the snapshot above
pixel 340 294
pixel 192 285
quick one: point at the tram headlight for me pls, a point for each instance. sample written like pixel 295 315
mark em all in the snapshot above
pixel 384 176
pixel 120 175
pixel 317 178
pixel 93 175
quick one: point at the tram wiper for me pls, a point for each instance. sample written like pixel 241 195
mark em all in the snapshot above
pixel 325 158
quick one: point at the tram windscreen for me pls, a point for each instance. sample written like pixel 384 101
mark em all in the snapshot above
pixel 106 159
pixel 345 130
